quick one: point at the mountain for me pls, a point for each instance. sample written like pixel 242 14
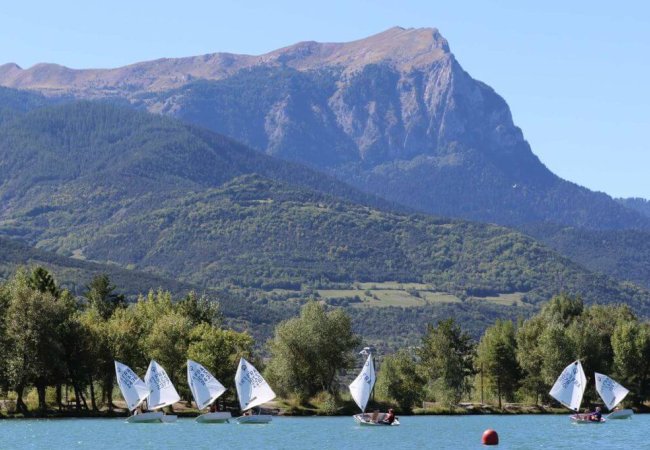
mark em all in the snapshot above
pixel 110 184
pixel 622 254
pixel 393 114
pixel 239 310
pixel 640 205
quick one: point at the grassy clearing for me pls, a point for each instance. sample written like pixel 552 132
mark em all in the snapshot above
pixel 392 285
pixel 393 297
pixel 381 295
pixel 514 299
pixel 439 297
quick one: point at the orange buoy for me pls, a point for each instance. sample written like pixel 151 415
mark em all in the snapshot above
pixel 490 437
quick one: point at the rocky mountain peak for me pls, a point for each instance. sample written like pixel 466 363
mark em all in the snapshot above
pixel 402 48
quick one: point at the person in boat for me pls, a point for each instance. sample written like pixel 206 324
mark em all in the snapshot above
pixel 213 407
pixel 597 415
pixel 389 418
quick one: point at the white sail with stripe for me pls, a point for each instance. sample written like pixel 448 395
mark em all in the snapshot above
pixel 570 386
pixel 161 390
pixel 204 386
pixel 252 388
pixel 362 385
pixel 610 391
pixel 134 390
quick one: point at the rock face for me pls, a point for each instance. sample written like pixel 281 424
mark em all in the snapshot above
pixel 394 114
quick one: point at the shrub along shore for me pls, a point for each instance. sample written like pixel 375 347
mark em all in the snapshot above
pixel 57 353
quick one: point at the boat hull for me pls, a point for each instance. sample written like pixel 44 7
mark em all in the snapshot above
pixel 214 417
pixel 366 420
pixel 620 414
pixel 254 419
pixel 169 418
pixel 583 419
pixel 148 417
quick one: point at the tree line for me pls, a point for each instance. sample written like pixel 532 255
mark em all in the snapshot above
pixel 512 361
pixel 52 342
pixel 50 339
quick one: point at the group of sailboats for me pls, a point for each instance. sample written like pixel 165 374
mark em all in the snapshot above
pixel 157 392
pixel 570 387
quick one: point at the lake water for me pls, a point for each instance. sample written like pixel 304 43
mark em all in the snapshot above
pixel 432 432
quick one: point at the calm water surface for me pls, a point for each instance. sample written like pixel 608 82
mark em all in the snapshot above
pixel 434 432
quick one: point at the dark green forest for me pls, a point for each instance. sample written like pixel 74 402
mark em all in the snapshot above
pixel 147 193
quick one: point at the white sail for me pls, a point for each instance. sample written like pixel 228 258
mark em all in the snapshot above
pixel 204 386
pixel 133 388
pixel 570 386
pixel 362 385
pixel 610 391
pixel 161 390
pixel 252 388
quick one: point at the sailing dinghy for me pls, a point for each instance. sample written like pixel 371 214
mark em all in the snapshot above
pixel 612 394
pixel 206 389
pixel 569 389
pixel 252 391
pixel 360 389
pixel 134 391
pixel 161 390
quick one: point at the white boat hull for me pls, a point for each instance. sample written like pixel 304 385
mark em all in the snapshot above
pixel 366 420
pixel 254 419
pixel 620 414
pixel 169 418
pixel 584 419
pixel 148 417
pixel 214 417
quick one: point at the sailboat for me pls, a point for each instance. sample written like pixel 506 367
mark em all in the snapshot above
pixel 161 390
pixel 612 394
pixel 569 389
pixel 252 391
pixel 134 391
pixel 206 389
pixel 360 389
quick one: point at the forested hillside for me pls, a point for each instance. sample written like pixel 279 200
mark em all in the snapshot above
pixel 111 184
pixel 638 204
pixel 622 254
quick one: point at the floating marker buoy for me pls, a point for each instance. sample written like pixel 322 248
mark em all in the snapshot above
pixel 490 437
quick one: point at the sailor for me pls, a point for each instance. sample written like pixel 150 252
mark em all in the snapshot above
pixel 389 418
pixel 597 415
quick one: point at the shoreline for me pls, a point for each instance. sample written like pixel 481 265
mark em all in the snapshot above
pixel 192 414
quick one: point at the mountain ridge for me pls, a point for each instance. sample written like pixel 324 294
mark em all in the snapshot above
pixel 394 114
pixel 166 73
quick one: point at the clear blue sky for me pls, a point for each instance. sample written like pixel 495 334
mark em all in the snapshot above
pixel 576 74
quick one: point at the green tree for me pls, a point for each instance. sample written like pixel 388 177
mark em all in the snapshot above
pixel 529 356
pixel 168 342
pixel 399 380
pixel 631 345
pixel 563 308
pixel 101 296
pixel 309 351
pixel 42 281
pixel 446 356
pixel 496 359
pixel 4 347
pixel 33 325
pixel 200 309
pixel 219 351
